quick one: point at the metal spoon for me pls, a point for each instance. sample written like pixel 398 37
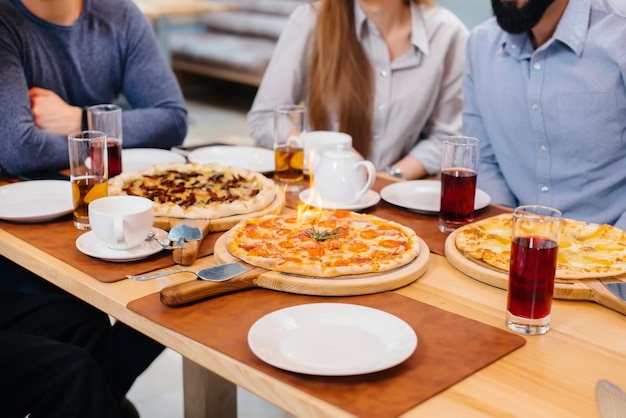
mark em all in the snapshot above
pixel 152 236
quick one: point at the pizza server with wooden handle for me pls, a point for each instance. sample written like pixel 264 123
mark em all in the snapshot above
pixel 610 293
pixel 213 281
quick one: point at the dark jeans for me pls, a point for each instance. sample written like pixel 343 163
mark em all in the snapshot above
pixel 130 351
pixel 54 358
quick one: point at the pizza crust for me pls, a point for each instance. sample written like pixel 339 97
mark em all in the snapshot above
pixel 219 191
pixel 586 250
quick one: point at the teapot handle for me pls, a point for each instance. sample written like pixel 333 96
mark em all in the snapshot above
pixel 371 177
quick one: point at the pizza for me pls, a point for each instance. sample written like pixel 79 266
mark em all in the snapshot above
pixel 323 243
pixel 197 191
pixel 586 250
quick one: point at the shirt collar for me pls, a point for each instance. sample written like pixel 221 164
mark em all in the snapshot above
pixel 571 31
pixel 419 37
pixel 574 25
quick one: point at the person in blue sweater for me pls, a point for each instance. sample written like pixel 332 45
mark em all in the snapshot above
pixel 58 57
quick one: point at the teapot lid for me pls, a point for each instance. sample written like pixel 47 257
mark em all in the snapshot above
pixel 340 152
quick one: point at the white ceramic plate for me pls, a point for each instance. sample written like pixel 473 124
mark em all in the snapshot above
pixel 135 159
pixel 252 158
pixel 88 244
pixel 312 198
pixel 35 200
pixel 424 196
pixel 332 339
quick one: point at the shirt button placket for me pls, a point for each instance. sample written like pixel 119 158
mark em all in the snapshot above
pixel 383 85
pixel 539 135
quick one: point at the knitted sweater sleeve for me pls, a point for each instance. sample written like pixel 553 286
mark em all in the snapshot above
pixel 110 52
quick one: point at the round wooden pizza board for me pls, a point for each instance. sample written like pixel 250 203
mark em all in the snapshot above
pixel 362 284
pixel 573 289
pixel 359 284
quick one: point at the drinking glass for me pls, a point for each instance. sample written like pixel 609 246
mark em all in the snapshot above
pixel 459 162
pixel 88 172
pixel 108 119
pixel 288 149
pixel 534 248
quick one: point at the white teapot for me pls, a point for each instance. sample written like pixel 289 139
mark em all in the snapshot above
pixel 340 176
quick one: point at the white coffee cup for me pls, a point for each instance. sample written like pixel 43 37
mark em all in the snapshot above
pixel 342 177
pixel 121 222
pixel 317 142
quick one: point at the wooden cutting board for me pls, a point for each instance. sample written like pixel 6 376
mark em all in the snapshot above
pixel 574 289
pixel 362 284
pixel 186 256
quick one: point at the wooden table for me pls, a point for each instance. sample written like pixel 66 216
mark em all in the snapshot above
pixel 160 13
pixel 552 375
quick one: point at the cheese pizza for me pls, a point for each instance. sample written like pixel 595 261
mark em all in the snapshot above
pixel 325 243
pixel 198 191
pixel 586 250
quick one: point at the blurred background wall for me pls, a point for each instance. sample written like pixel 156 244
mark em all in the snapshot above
pixel 471 12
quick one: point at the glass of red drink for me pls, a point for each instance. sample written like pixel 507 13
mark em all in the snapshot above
pixel 108 119
pixel 459 162
pixel 534 248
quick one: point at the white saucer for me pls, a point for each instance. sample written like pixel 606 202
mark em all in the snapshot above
pixel 312 198
pixel 88 244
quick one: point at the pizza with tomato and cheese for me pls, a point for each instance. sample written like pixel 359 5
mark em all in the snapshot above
pixel 586 250
pixel 197 191
pixel 325 243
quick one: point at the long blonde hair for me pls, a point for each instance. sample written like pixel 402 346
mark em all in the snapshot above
pixel 340 76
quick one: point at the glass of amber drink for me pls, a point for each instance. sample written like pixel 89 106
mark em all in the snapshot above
pixel 88 172
pixel 288 148
pixel 534 246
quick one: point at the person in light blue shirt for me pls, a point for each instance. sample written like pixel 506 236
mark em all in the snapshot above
pixel 545 92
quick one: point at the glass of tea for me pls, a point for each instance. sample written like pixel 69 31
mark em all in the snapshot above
pixel 108 119
pixel 459 162
pixel 88 172
pixel 288 147
pixel 534 248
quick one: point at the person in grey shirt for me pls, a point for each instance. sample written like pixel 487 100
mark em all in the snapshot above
pixel 58 57
pixel 387 72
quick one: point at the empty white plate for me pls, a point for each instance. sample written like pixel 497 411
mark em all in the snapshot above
pixel 332 339
pixel 252 158
pixel 135 159
pixel 424 196
pixel 35 200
